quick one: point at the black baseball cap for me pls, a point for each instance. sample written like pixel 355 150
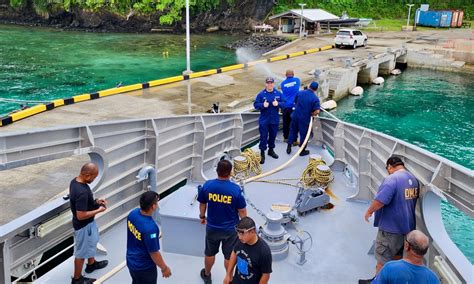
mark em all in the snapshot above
pixel 395 161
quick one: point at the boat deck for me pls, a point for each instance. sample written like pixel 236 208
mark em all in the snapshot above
pixel 341 237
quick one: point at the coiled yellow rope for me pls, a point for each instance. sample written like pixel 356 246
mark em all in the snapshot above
pixel 250 164
pixel 315 174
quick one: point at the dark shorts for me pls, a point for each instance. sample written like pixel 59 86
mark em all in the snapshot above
pixel 214 240
pixel 388 245
pixel 148 276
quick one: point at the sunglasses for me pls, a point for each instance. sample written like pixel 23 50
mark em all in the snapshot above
pixel 243 231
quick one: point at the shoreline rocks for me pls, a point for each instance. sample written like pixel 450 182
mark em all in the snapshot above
pixel 259 43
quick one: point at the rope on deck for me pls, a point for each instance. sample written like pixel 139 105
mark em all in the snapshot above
pixel 111 273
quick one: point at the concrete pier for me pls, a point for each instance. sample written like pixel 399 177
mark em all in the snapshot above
pixel 368 73
pixel 341 70
pixel 386 67
pixel 342 81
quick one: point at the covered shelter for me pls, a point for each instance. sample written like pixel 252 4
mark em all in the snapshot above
pixel 289 21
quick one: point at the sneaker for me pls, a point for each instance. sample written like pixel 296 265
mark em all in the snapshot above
pixel 96 265
pixel 296 143
pixel 83 280
pixel 206 278
pixel 366 281
pixel 304 153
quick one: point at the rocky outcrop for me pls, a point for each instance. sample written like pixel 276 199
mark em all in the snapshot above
pixel 259 43
pixel 238 17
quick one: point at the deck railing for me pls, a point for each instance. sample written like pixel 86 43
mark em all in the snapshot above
pixel 184 147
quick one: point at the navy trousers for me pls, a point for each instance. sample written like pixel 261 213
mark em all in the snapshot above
pixel 148 276
pixel 268 133
pixel 286 121
pixel 296 127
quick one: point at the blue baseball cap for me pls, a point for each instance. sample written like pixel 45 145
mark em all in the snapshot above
pixel 314 85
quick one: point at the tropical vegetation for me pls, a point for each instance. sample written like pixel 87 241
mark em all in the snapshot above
pixel 377 9
pixel 171 11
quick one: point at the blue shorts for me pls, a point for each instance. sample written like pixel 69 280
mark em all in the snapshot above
pixel 85 241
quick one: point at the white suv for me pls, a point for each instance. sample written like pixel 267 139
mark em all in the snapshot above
pixel 348 37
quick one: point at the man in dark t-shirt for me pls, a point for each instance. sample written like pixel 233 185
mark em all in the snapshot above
pixel 86 234
pixel 251 256
pixel 143 244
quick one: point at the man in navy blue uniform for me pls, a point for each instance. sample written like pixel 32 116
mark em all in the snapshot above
pixel 307 105
pixel 289 87
pixel 224 203
pixel 143 245
pixel 268 101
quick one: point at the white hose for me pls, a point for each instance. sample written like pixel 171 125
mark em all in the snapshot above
pixel 281 167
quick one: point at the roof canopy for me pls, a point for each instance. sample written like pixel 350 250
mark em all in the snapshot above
pixel 310 15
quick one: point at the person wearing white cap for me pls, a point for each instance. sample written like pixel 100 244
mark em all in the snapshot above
pixel 268 102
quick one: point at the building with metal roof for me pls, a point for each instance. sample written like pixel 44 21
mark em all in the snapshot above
pixel 289 21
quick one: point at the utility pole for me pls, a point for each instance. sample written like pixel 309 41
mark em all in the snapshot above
pixel 188 41
pixel 408 18
pixel 301 19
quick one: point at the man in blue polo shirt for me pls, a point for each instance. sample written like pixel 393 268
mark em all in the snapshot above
pixel 410 269
pixel 268 103
pixel 307 106
pixel 394 207
pixel 224 203
pixel 143 245
pixel 289 87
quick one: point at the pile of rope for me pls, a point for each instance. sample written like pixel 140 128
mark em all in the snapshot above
pixel 246 164
pixel 317 173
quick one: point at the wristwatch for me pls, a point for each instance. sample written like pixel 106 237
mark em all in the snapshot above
pixel 202 217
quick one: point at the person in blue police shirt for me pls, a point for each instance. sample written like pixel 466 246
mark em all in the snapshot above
pixel 289 87
pixel 307 105
pixel 268 102
pixel 224 203
pixel 143 246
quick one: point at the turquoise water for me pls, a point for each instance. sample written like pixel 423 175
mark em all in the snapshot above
pixel 433 110
pixel 44 64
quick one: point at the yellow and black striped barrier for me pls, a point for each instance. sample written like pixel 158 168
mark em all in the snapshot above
pixel 6 120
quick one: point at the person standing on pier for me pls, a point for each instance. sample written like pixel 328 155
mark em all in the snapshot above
pixel 86 234
pixel 268 103
pixel 224 202
pixel 289 88
pixel 307 106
